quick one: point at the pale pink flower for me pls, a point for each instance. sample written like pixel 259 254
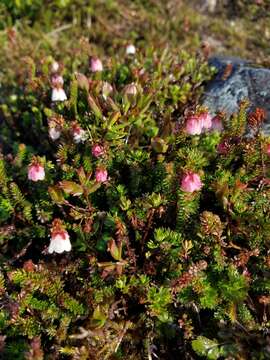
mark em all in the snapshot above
pixel 206 120
pixel 97 150
pixel 217 124
pixel 130 89
pixel 191 182
pixel 130 49
pixel 57 81
pixel 36 172
pixel 106 89
pixel 96 64
pixel 194 125
pixel 101 175
pixel 58 94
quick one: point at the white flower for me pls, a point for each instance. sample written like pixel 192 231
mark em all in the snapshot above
pixel 54 133
pixel 130 50
pixel 79 135
pixel 58 94
pixel 60 242
pixel 54 67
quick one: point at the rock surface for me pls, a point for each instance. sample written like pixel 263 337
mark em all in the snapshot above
pixel 236 80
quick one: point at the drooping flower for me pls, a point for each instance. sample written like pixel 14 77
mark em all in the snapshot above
pixel 79 135
pixel 130 89
pixel 101 175
pixel 97 150
pixel 217 124
pixel 194 125
pixel 58 94
pixel 130 49
pixel 60 240
pixel 54 133
pixel 36 171
pixel 206 120
pixel 191 182
pixel 96 64
pixel 268 149
pixel 55 124
pixel 54 67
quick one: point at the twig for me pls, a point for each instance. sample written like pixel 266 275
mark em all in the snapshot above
pixel 58 30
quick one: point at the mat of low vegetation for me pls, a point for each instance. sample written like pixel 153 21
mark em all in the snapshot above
pixel 133 224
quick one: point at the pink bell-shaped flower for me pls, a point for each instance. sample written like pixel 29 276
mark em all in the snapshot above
pixel 217 124
pixel 101 175
pixel 96 64
pixel 191 182
pixel 130 90
pixel 97 150
pixel 36 171
pixel 206 120
pixel 194 125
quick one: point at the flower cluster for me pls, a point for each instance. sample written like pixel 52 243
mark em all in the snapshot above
pixel 199 123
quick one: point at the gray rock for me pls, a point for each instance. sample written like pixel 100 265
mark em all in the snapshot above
pixel 244 81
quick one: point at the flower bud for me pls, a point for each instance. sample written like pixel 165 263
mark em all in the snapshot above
pixel 224 147
pixel 54 67
pixel 96 64
pixel 106 89
pixel 217 124
pixel 57 81
pixel 97 150
pixel 101 175
pixel 130 89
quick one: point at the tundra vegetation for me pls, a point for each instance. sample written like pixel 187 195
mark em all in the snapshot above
pixel 133 223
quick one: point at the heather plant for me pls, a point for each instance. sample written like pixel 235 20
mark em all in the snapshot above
pixel 134 224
